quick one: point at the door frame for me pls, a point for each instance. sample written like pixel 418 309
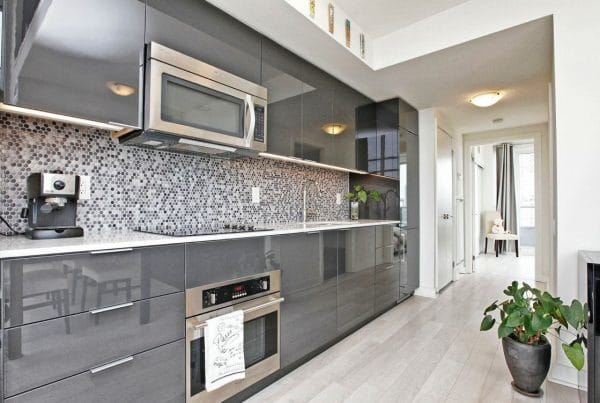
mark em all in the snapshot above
pixel 543 191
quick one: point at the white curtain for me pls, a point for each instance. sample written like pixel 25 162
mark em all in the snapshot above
pixel 506 200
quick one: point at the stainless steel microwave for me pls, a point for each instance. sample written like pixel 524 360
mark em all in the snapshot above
pixel 193 107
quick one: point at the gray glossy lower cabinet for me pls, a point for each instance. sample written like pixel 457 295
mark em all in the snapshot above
pixel 355 276
pixel 308 315
pixel 409 262
pixel 55 349
pixel 212 262
pixel 47 287
pixel 156 375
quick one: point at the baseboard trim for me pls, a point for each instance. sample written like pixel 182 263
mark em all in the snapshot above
pixel 564 375
pixel 426 292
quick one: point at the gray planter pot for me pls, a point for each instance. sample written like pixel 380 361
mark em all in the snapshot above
pixel 527 364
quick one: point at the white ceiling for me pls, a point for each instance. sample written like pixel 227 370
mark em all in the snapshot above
pixel 380 17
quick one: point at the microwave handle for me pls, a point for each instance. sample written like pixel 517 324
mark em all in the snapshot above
pixel 249 105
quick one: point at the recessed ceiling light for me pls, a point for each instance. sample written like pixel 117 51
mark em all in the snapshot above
pixel 333 128
pixel 120 89
pixel 486 99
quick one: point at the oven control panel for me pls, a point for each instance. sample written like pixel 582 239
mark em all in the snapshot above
pixel 235 291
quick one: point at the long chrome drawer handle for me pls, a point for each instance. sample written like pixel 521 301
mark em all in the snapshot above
pixel 111 365
pixel 111 308
pixel 249 310
pixel 103 252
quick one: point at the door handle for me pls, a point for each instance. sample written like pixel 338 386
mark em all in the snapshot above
pixel 111 365
pixel 446 216
pixel 249 103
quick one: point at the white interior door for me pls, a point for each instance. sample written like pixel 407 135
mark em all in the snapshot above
pixel 444 207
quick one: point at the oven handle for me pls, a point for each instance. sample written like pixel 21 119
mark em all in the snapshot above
pixel 249 310
pixel 250 131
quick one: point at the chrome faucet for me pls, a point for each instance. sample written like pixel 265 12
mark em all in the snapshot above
pixel 305 187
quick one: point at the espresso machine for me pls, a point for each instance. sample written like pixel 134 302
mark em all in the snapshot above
pixel 52 205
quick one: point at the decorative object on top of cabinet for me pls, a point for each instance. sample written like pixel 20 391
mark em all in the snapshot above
pixel 348 33
pixel 311 8
pixel 65 70
pixel 362 45
pixel 331 18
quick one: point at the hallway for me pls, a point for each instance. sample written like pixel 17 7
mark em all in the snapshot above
pixel 423 350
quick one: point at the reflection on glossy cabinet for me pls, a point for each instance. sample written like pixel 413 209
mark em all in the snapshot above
pixel 47 287
pixel 88 340
pixel 409 262
pixel 202 31
pixel 282 76
pixel 409 179
pixel 65 57
pixel 155 375
pixel 309 313
pixel 213 262
pixel 356 276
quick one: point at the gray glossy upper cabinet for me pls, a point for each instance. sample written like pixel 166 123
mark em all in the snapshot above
pixel 355 276
pixel 202 31
pixel 317 113
pixel 308 315
pixel 67 56
pixel 346 104
pixel 282 76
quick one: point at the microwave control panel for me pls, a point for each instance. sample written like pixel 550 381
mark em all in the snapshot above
pixel 259 128
pixel 235 291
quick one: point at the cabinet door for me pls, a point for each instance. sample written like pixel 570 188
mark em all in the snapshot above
pixel 216 261
pixel 387 271
pixel 387 137
pixel 317 116
pixel 367 153
pixel 408 117
pixel 355 277
pixel 204 32
pixel 408 261
pixel 308 315
pixel 409 179
pixel 345 105
pixel 282 76
pixel 66 57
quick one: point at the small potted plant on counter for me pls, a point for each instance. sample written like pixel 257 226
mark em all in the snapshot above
pixel 526 318
pixel 360 195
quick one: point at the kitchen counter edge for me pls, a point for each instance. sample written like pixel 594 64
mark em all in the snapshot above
pixel 20 246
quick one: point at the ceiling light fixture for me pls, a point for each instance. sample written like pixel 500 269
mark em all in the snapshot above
pixel 120 89
pixel 334 128
pixel 486 99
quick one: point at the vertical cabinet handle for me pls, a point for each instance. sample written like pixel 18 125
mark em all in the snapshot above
pixel 111 365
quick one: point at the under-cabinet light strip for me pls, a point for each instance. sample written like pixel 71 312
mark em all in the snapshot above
pixel 55 116
pixel 309 163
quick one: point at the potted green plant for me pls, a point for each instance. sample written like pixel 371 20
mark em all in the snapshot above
pixel 526 318
pixel 360 195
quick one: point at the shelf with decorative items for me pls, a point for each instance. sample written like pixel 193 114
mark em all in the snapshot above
pixel 359 195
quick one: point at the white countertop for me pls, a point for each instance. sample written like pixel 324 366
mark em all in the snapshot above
pixel 20 246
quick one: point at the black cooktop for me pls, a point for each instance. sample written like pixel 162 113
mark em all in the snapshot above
pixel 202 230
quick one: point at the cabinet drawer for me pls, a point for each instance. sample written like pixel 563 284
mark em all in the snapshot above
pixel 387 286
pixel 212 262
pixel 157 375
pixel 44 352
pixel 47 287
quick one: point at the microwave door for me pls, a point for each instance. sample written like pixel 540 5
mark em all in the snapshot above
pixel 192 106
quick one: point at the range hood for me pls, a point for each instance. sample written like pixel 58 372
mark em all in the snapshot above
pixel 194 108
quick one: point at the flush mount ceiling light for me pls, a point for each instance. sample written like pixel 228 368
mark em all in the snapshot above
pixel 122 90
pixel 333 128
pixel 486 99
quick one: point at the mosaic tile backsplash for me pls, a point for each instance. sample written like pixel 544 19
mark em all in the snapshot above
pixel 134 187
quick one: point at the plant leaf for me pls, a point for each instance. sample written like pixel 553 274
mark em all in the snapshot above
pixel 504 331
pixel 575 354
pixel 375 195
pixel 491 308
pixel 487 323
pixel 514 319
pixel 362 196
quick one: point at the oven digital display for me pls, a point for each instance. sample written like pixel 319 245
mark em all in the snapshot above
pixel 238 287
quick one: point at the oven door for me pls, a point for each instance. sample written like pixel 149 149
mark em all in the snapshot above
pixel 192 106
pixel 261 348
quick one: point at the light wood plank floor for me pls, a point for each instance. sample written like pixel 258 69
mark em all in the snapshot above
pixel 423 350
